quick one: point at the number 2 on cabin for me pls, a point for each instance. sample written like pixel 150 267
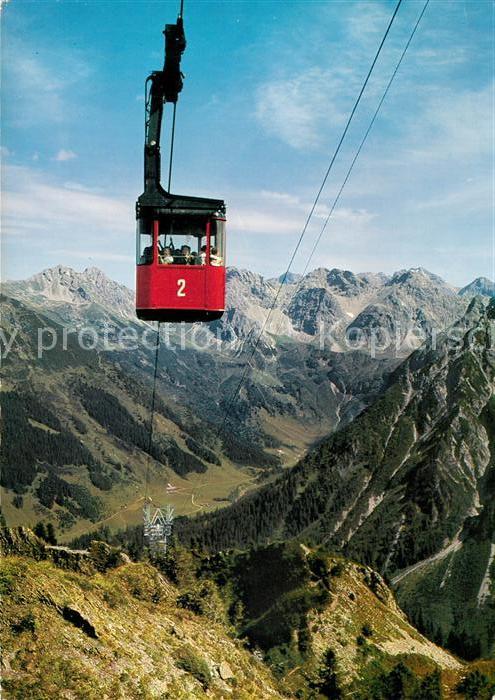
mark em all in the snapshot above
pixel 181 284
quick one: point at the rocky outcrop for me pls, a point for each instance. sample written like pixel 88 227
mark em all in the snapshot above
pixel 338 299
pixel 63 285
pixel 22 542
pixel 410 307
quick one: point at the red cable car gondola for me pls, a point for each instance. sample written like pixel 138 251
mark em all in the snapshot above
pixel 180 274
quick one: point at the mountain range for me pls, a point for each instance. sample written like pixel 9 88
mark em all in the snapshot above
pixel 358 371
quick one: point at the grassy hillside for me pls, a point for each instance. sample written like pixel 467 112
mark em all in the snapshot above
pixel 281 621
pixel 118 633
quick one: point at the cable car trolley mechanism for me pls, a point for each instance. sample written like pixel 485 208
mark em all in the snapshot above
pixel 180 272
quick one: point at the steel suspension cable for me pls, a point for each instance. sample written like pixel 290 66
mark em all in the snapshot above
pixel 363 141
pixel 172 138
pixel 152 413
pixel 309 217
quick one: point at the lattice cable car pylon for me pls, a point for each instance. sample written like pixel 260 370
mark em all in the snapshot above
pixel 157 526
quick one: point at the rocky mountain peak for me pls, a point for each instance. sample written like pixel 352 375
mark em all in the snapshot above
pixel 334 300
pixel 481 285
pixel 64 285
pixel 416 276
pixel 289 278
pixel 345 280
pixel 246 282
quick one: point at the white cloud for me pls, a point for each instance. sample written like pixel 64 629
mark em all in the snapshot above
pixel 258 222
pixel 64 155
pixel 295 109
pixel 280 197
pixel 292 204
pixel 70 185
pixel 30 202
pixel 473 196
pixel 351 217
pixel 265 213
pixel 38 82
pixel 45 222
pixel 366 22
pixel 455 125
pixel 273 215
pixel 434 57
pixel 311 92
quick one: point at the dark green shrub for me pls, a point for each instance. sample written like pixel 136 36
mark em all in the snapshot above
pixel 18 501
pixel 40 530
pixel 202 599
pixel 328 683
pixel 50 534
pixel 190 662
pixel 430 687
pixel 476 686
pixel 318 565
pixel 45 532
pixel 25 624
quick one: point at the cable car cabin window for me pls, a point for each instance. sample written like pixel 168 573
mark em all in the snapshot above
pixel 180 242
pixel 217 242
pixel 144 243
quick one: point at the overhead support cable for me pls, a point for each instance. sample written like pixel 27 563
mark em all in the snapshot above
pixel 152 412
pixel 363 141
pixel 172 138
pixel 309 217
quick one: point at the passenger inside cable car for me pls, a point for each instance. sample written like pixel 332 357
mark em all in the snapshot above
pixel 165 256
pixel 179 241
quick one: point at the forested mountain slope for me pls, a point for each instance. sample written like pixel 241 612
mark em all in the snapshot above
pixel 77 383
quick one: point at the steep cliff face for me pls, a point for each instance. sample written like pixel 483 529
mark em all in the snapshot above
pixel 409 307
pixel 409 483
pixel 335 301
pixel 313 614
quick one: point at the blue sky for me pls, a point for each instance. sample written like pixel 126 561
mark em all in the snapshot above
pixel 268 88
